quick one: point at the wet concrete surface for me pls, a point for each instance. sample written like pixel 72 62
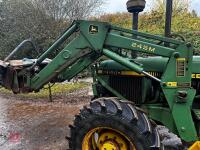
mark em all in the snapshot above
pixel 38 125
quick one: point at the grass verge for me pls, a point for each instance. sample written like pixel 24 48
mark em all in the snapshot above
pixel 57 89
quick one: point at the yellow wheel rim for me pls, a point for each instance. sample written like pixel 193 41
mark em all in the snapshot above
pixel 106 139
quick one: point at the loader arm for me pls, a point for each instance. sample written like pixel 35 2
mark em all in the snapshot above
pixel 94 40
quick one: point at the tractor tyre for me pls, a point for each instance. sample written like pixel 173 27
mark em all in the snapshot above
pixel 111 124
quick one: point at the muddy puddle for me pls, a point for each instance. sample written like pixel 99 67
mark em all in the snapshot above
pixel 38 125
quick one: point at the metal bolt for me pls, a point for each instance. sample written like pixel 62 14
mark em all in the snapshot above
pixel 176 55
pixel 183 129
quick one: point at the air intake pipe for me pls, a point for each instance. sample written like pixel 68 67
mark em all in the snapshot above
pixel 135 7
pixel 168 19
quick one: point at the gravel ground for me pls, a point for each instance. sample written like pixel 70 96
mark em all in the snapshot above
pixel 38 125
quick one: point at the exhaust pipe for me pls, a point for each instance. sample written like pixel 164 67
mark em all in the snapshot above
pixel 168 19
pixel 135 7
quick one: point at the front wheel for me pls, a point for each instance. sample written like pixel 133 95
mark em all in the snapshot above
pixel 110 124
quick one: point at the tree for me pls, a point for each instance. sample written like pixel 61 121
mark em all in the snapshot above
pixel 40 20
pixel 21 20
pixel 154 22
pixel 178 5
pixel 194 13
pixel 69 9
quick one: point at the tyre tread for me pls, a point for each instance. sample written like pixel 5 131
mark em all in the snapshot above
pixel 137 117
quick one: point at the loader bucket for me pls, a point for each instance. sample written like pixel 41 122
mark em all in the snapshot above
pixel 195 146
pixel 10 77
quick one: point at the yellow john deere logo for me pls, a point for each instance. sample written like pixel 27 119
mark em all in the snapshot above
pixel 93 29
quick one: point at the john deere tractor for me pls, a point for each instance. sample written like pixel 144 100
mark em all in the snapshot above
pixel 139 103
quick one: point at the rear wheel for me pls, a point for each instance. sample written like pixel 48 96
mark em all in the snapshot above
pixel 110 124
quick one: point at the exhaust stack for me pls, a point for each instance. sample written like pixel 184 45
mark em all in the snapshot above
pixel 168 19
pixel 135 7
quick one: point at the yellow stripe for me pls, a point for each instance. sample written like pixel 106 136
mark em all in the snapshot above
pixel 131 73
pixel 172 84
pixel 181 59
pixel 197 76
pixel 126 73
pixel 193 76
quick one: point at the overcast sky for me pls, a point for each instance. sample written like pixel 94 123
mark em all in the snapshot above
pixel 120 5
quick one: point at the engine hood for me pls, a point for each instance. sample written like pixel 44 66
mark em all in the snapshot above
pixel 150 64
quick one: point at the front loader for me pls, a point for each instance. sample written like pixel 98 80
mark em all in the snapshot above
pixel 131 96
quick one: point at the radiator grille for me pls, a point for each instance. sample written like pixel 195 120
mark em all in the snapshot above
pixel 180 67
pixel 128 86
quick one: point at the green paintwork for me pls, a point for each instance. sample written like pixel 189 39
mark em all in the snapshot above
pixel 154 64
pixel 162 114
pixel 96 39
pixel 122 61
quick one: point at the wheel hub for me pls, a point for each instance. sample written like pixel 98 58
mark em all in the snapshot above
pixel 106 139
pixel 112 141
pixel 109 146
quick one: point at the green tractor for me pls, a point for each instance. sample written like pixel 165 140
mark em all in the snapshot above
pixel 139 103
